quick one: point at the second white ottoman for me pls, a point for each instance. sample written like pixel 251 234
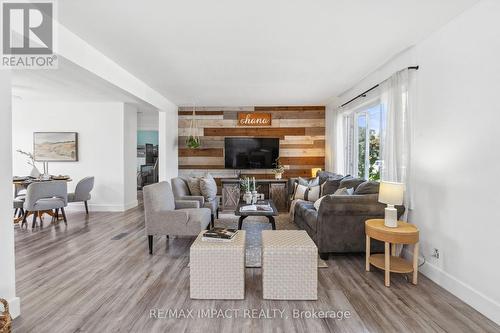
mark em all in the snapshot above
pixel 289 265
pixel 217 269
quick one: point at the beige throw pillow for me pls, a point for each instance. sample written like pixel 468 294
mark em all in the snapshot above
pixel 317 203
pixel 194 185
pixel 344 191
pixel 313 193
pixel 300 191
pixel 208 187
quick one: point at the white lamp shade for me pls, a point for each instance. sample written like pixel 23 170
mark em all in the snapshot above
pixel 391 193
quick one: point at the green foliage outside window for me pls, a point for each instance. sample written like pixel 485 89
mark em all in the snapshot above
pixel 374 155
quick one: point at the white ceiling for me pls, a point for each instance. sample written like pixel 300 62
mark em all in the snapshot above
pixel 68 83
pixel 260 52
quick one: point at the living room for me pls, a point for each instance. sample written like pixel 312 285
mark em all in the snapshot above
pixel 347 164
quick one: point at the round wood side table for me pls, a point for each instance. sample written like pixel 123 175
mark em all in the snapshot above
pixel 405 233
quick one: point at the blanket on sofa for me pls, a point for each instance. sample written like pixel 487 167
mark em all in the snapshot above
pixel 292 207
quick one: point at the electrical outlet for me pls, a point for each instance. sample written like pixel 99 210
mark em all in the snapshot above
pixel 435 253
pixel 287 167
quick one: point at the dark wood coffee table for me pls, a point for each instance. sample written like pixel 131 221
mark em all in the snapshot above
pixel 269 214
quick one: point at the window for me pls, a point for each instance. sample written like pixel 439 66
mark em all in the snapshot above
pixel 367 128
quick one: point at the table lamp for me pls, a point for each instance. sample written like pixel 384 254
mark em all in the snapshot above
pixel 314 171
pixel 391 193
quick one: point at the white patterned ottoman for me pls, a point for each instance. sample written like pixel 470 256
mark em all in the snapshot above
pixel 217 269
pixel 289 265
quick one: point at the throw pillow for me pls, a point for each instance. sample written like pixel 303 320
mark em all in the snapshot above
pixel 351 182
pixel 341 191
pixel 317 203
pixel 208 187
pixel 309 182
pixel 368 187
pixel 307 193
pixel 325 175
pixel 300 191
pixel 344 191
pixel 194 185
pixel 331 185
pixel 313 193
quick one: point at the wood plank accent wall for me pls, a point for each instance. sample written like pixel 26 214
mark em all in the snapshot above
pixel 301 130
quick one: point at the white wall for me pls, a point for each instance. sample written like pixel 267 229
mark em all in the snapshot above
pixel 168 144
pixel 106 146
pixel 7 263
pixel 130 155
pixel 147 121
pixel 456 155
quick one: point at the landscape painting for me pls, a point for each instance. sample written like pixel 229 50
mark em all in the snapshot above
pixel 55 146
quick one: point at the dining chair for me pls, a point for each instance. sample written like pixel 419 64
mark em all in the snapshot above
pixel 82 192
pixel 19 190
pixel 45 196
pixel 18 204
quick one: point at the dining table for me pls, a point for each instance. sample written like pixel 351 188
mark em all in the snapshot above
pixel 21 183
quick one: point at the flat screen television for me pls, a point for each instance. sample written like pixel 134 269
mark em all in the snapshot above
pixel 251 153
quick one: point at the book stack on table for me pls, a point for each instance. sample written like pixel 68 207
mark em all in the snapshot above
pixel 219 235
pixel 263 207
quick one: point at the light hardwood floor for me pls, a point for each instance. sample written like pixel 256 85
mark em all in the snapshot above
pixel 95 275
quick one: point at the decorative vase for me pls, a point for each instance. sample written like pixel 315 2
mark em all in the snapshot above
pixel 277 175
pixel 254 197
pixel 248 197
pixel 35 173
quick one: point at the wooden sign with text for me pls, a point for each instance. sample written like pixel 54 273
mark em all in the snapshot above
pixel 254 119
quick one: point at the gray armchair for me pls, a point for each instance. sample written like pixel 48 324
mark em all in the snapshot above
pixel 44 196
pixel 182 192
pixel 166 216
pixel 82 192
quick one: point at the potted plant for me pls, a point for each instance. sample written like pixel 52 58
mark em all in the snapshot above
pixel 279 169
pixel 246 189
pixel 193 142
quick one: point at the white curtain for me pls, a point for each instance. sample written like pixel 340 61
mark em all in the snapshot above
pixel 396 94
pixel 348 140
pixel 343 123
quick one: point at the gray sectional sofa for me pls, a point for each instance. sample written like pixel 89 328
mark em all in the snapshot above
pixel 339 224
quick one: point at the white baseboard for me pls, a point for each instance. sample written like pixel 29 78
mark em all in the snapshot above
pixel 482 303
pixel 79 206
pixel 14 307
pixel 131 205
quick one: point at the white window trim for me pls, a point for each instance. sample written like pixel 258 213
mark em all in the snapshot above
pixel 361 109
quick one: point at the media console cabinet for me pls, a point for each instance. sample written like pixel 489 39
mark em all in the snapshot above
pixel 275 189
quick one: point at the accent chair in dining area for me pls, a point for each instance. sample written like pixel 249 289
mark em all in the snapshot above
pixel 82 192
pixel 18 203
pixel 45 196
pixel 18 207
